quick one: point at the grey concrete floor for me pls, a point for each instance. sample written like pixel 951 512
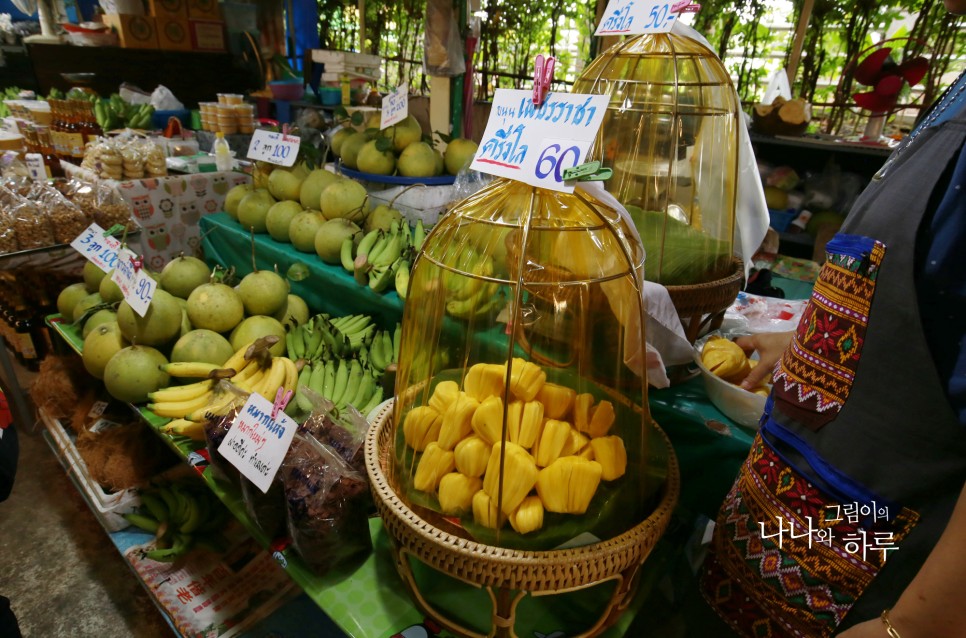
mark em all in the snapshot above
pixel 58 567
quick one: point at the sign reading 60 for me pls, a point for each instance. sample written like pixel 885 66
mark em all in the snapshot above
pixel 555 159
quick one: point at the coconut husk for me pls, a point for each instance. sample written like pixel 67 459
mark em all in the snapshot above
pixel 59 385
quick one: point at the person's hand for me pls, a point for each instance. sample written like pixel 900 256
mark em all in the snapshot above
pixel 770 346
pixel 868 629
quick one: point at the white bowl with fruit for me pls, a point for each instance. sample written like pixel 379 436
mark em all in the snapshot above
pixel 723 365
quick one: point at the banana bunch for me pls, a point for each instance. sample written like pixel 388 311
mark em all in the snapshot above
pixel 116 113
pixel 383 351
pixel 251 369
pixel 322 338
pixel 343 382
pixel 383 258
pixel 181 516
pixel 468 293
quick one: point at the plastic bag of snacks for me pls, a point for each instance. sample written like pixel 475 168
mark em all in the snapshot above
pixel 266 509
pixel 66 218
pixel 327 505
pixel 216 429
pixel 31 225
pixel 110 208
pixel 103 159
pixel 8 235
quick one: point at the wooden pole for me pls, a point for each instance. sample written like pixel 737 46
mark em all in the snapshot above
pixel 796 56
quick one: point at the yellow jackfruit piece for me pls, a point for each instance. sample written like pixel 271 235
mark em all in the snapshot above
pixel 421 427
pixel 471 456
pixel 528 517
pixel 514 414
pixel 485 512
pixel 568 484
pixel 610 453
pixel 531 420
pixel 725 359
pixel 575 443
pixel 553 439
pixel 484 380
pixel 487 421
pixel 519 475
pixel 582 404
pixel 443 395
pixel 456 421
pixel 587 453
pixel 557 401
pixel 434 464
pixel 601 419
pixel 526 379
pixel 456 492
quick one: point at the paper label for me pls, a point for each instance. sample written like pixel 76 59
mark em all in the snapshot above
pixel 632 17
pixel 256 444
pixel 35 166
pixel 97 409
pixel 274 148
pixel 395 106
pixel 103 424
pixel 98 248
pixel 135 284
pixel 536 145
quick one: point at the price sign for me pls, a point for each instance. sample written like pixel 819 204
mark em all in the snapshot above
pixel 96 247
pixel 632 17
pixel 395 106
pixel 536 145
pixel 274 148
pixel 135 284
pixel 35 166
pixel 256 443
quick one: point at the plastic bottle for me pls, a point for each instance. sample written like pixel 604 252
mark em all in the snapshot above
pixel 222 153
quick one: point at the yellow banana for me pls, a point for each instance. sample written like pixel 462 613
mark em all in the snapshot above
pixel 237 360
pixel 251 382
pixel 178 409
pixel 218 405
pixel 190 369
pixel 291 374
pixel 246 372
pixel 191 429
pixel 273 380
pixel 181 392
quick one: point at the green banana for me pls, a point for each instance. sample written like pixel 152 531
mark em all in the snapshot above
pixel 396 339
pixel 419 235
pixel 318 373
pixel 345 254
pixel 352 383
pixel 155 506
pixel 382 243
pixel 301 398
pixel 365 246
pixel 328 379
pixel 146 523
pixel 373 401
pixel 363 391
pixel 377 355
pixel 313 339
pixel 402 280
pixel 341 381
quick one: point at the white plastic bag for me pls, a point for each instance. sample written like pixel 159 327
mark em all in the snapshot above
pixel 164 100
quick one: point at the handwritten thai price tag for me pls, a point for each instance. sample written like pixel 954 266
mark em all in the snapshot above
pixel 135 284
pixel 274 148
pixel 256 443
pixel 536 145
pixel 395 106
pixel 96 247
pixel 35 166
pixel 632 17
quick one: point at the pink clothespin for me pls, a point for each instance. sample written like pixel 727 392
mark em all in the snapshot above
pixel 685 6
pixel 285 132
pixel 542 77
pixel 137 263
pixel 282 397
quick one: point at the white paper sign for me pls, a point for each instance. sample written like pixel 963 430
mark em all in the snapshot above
pixel 274 148
pixel 96 247
pixel 135 284
pixel 632 17
pixel 395 106
pixel 256 444
pixel 35 166
pixel 536 145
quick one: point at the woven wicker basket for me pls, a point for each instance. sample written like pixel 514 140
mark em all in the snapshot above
pixel 510 575
pixel 701 305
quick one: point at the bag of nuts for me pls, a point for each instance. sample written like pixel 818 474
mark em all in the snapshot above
pixel 31 225
pixel 8 236
pixel 66 218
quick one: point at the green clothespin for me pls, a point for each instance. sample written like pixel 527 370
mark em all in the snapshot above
pixel 587 172
pixel 113 230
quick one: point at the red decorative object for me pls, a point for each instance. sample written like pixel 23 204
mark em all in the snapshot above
pixel 886 78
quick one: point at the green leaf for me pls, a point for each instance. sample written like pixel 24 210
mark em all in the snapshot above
pixel 446 139
pixel 357 118
pixel 383 144
pixel 297 272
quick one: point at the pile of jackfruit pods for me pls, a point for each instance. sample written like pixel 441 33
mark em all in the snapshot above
pixel 725 359
pixel 556 453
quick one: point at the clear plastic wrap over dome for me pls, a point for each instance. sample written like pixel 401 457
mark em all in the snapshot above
pixel 517 421
pixel 671 136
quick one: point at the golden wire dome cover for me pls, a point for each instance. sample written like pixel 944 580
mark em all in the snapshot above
pixel 671 136
pixel 518 423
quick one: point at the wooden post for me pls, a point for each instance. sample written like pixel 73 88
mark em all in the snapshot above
pixel 796 56
pixel 439 104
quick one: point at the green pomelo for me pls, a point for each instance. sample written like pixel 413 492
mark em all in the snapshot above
pixel 263 292
pixel 86 304
pixel 458 154
pixel 417 160
pixel 202 345
pixel 329 238
pixel 183 274
pixel 339 138
pixel 98 318
pixel 405 133
pixel 70 297
pixel 110 291
pixel 303 228
pixel 280 217
pixel 234 197
pixel 253 209
pixel 372 160
pixel 134 372
pixel 382 217
pixel 285 184
pixel 294 313
pixel 351 148
pixel 254 328
pixel 313 186
pixel 100 345
pixel 92 276
pixel 346 198
pixel 159 325
pixel 216 307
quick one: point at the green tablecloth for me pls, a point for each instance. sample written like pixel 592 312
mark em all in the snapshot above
pixel 708 445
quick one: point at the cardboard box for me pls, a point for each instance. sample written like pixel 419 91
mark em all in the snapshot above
pixel 207 35
pixel 134 32
pixel 169 8
pixel 204 10
pixel 174 34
